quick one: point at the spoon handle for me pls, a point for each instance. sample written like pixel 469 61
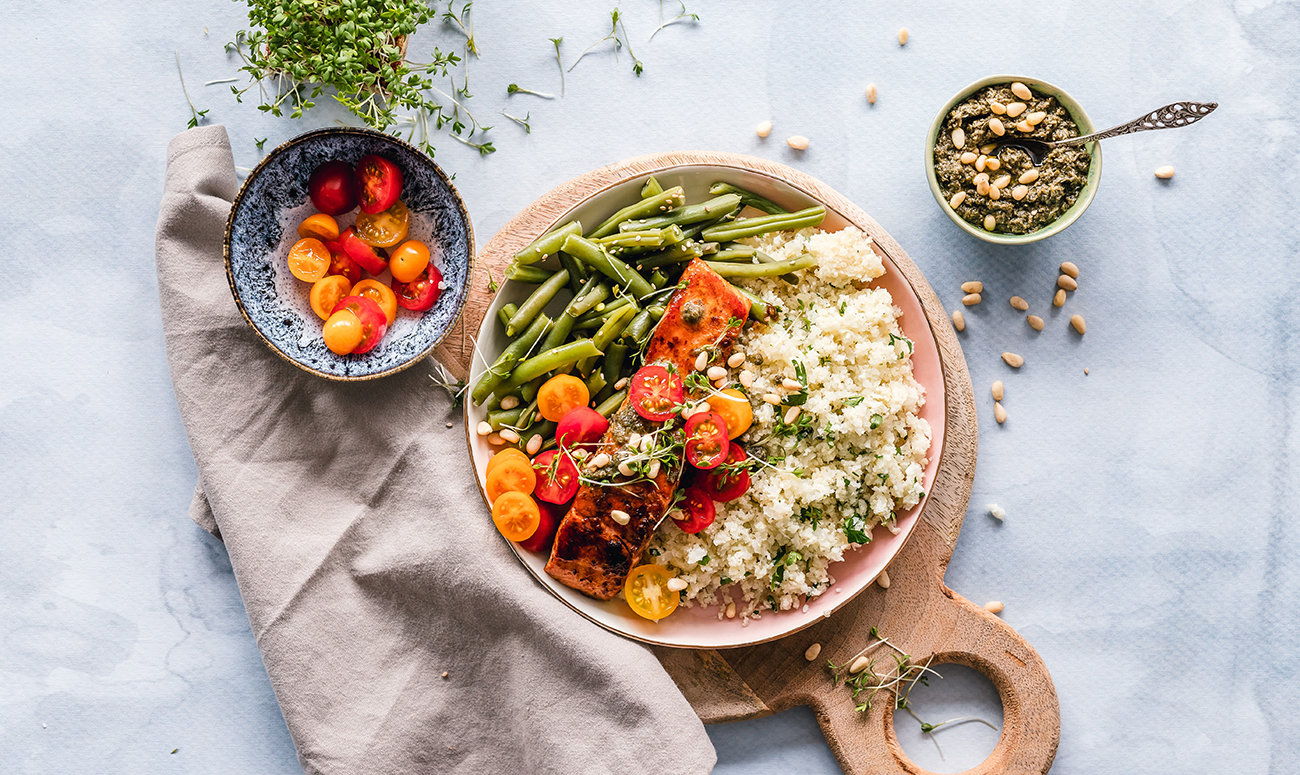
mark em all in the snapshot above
pixel 1169 117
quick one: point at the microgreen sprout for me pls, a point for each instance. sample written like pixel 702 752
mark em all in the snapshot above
pixel 680 17
pixel 523 122
pixel 559 62
pixel 515 88
pixel 464 23
pixel 195 114
pixel 619 39
pixel 260 143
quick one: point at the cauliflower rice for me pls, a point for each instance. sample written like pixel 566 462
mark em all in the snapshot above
pixel 852 459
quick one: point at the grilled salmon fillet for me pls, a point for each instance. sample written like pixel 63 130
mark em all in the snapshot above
pixel 593 553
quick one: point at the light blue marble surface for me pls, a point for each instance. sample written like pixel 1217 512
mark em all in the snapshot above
pixel 1150 551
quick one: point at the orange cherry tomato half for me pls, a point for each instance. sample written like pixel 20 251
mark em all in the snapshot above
pixel 379 184
pixel 422 292
pixel 374 324
pixel 326 294
pixel 343 332
pixel 551 514
pixel 380 294
pixel 511 475
pixel 386 229
pixel 408 261
pixel 502 457
pixel 647 592
pixel 342 264
pixel 516 516
pixel 656 393
pixel 734 407
pixel 320 226
pixel 362 253
pixel 560 395
pixel 309 259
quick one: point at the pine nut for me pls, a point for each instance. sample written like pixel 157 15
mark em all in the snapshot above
pixel 958 138
pixel 675 584
pixel 600 461
pixel 871 93
pixel 763 129
pixel 625 469
pixel 971 299
pixel 702 361
pixel 1067 282
pixel 735 360
pixel 969 157
pixel 982 188
pixel 495 439
pixel 1079 325
pixel 634 441
pixel 720 383
pixel 1036 117
pixel 1003 181
pixel 813 652
pixel 999 413
pixel 991 163
pixel 1021 91
pixel 1016 108
pixel 859 665
pixel 1035 322
pixel 622 383
pixel 902 37
pixel 990 223
pixel 1019 192
pixel 790 384
pixel 647 443
pixel 798 142
pixel 996 127
pixel 1166 172
pixel 716 372
pixel 731 610
pixel 747 379
pixel 1019 303
pixel 957 199
pixel 1059 299
pixel 1024 126
pixel 772 398
pixel 535 444
pixel 995 193
pixel 1029 175
pixel 621 517
pixel 998 108
pixel 509 402
pixel 958 320
pixel 1013 360
pixel 653 470
pixel 509 435
pixel 883 580
pixel 983 177
pixel 1085 371
pixel 791 415
pixel 483 428
pixel 987 149
pixel 973 286
pixel 994 606
pixel 998 391
pixel 980 162
pixel 1069 268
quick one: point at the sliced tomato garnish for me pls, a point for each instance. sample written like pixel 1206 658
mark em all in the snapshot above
pixel 362 253
pixel 379 184
pixel 697 509
pixel 580 426
pixel 557 477
pixel 656 393
pixel 730 480
pixel 420 293
pixel 374 322
pixel 706 440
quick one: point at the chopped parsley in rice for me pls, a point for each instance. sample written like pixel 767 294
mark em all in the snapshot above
pixel 852 459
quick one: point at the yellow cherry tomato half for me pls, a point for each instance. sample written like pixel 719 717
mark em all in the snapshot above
pixel 343 332
pixel 516 515
pixel 408 260
pixel 309 259
pixel 326 293
pixel 512 475
pixel 380 294
pixel 735 409
pixel 384 229
pixel 560 395
pixel 647 592
pixel 502 457
pixel 320 226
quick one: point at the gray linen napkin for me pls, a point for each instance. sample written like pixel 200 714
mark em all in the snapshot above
pixel 367 561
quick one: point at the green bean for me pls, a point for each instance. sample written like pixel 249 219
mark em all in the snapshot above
pixel 577 272
pixel 671 235
pixel 762 270
pixel 545 429
pixel 614 327
pixel 659 279
pixel 499 420
pixel 537 302
pixel 506 312
pixel 752 227
pixel 653 238
pixel 764 258
pixel 603 313
pixel 509 358
pixel 611 404
pixel 612 368
pixel 592 297
pixel 595 382
pixel 538 365
pixel 688 214
pixel 734 253
pixel 594 256
pixel 639 329
pixel 682 251
pixel 657 311
pixel 748 198
pixel 547 244
pixel 651 188
pixel 528 274
pixel 655 205
pixel 758 309
pixel 528 392
pixel 559 332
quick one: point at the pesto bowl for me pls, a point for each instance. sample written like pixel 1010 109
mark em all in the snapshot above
pixel 1080 119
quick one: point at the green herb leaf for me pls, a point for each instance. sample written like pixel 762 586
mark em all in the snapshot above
pixel 855 529
pixel 854 400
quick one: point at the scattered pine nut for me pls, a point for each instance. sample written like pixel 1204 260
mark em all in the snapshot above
pixel 957 199
pixel 720 383
pixel 600 461
pixel 1034 322
pixel 998 391
pixel 982 188
pixel 813 652
pixel 625 470
pixel 702 361
pixel 1085 371
pixel 483 428
pixel 444 673
pixel 996 127
pixel 509 435
pixel 772 398
pixel 1019 192
pixel 1019 303
pixel 509 402
pixel 972 286
pixel 1024 126
pixel 747 379
pixel 1077 322
pixel 997 107
pixel 798 142
pixel 1059 299
pixel 859 665
pixel 735 360
pixel 1021 91
pixel 653 470
pixel 622 383
pixel 621 517
pixel 731 610
pixel 958 138
pixel 1016 108
pixel 883 580
pixel 1069 268
pixel 997 512
pixel 969 157
pixel 980 162
pixel 676 585
pixel 1067 282
pixel 1029 175
pixel 495 439
pixel 1036 117
pixel 790 384
pixel 971 298
pixel 1013 360
pixel 1166 172
pixel 995 193
pixel 763 129
pixel 994 606
pixel 535 444
pixel 871 93
pixel 999 413
pixel 958 320
pixel 791 415
pixel 990 223
pixel 983 177
pixel 1003 181
pixel 992 163
pixel 902 37
pixel 716 372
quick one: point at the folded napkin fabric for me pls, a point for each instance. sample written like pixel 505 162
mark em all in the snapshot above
pixel 367 562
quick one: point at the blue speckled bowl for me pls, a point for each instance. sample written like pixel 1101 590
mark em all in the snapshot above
pixel 263 226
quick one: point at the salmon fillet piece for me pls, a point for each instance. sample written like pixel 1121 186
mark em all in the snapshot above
pixel 593 553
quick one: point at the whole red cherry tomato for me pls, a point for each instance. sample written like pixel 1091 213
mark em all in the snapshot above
pixel 728 481
pixel 333 188
pixel 656 393
pixel 698 508
pixel 706 440
pixel 580 426
pixel 379 184
pixel 551 514
pixel 363 254
pixel 557 477
pixel 374 322
pixel 420 293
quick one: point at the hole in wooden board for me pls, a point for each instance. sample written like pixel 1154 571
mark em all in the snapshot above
pixel 962 692
pixel 782 744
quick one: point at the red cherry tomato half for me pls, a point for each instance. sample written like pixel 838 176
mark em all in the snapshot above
pixel 698 508
pixel 728 482
pixel 706 440
pixel 333 188
pixel 656 393
pixel 374 322
pixel 551 514
pixel 379 184
pixel 363 254
pixel 342 264
pixel 420 293
pixel 580 426
pixel 557 477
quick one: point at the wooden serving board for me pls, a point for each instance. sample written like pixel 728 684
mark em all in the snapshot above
pixel 917 612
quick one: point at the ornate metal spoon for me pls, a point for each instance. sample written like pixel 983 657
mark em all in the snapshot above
pixel 1169 117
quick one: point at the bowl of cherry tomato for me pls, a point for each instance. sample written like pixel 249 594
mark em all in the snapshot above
pixel 348 252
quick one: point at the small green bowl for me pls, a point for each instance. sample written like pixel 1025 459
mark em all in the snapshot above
pixel 1069 216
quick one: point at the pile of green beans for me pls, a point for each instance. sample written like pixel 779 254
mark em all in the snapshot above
pixel 619 277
